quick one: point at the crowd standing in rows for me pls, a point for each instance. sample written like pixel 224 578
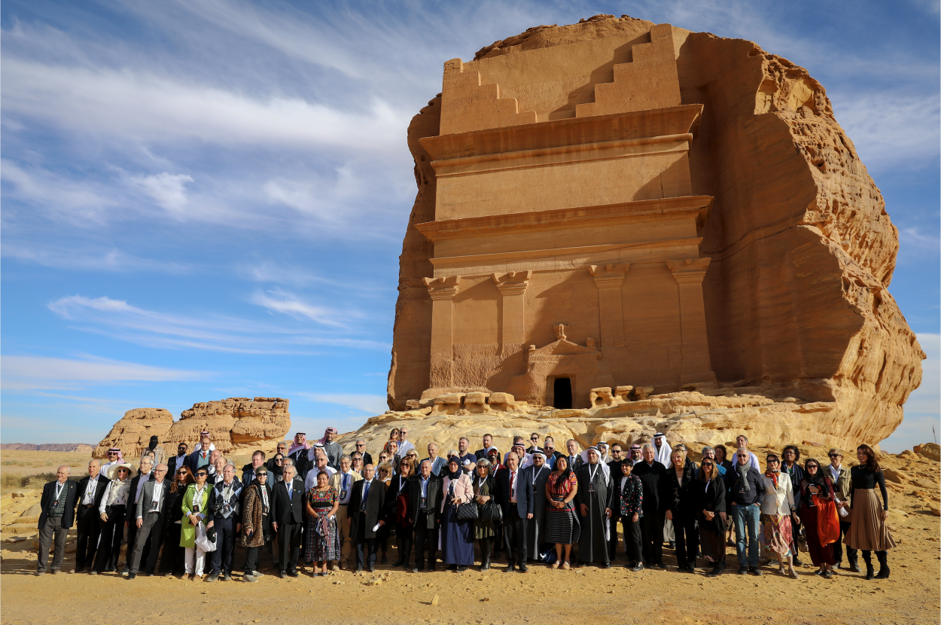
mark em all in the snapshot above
pixel 532 504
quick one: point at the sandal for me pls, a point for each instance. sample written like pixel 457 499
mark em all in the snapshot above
pixel 794 573
pixel 555 565
pixel 566 566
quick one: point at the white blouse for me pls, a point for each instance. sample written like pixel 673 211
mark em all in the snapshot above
pixel 774 498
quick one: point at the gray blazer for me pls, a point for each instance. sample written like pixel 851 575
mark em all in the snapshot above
pixel 147 497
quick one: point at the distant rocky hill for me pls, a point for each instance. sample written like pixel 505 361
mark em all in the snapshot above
pixel 47 447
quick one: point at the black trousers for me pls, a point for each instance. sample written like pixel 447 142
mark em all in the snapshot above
pixel 403 540
pixel 224 555
pixel 426 542
pixel 686 531
pixel 633 539
pixel 112 533
pixel 173 555
pixel 613 540
pixel 88 524
pixel 838 547
pixel 152 529
pixel 251 560
pixel 289 541
pixel 514 537
pixel 652 537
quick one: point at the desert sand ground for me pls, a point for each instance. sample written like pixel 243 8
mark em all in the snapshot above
pixel 911 595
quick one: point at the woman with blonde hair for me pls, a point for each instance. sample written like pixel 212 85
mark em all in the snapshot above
pixel 384 473
pixel 777 508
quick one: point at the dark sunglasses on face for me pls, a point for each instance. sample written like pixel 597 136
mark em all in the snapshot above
pixel 707 465
pixel 834 455
pixel 202 474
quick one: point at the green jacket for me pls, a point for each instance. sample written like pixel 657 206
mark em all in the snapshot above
pixel 187 529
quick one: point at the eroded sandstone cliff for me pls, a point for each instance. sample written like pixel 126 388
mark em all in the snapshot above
pixel 802 248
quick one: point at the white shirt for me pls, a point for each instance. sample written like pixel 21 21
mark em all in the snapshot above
pixel 405 447
pixel 835 473
pixel 89 497
pixel 311 479
pixel 158 491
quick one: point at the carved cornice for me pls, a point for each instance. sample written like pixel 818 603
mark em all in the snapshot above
pixel 442 288
pixel 609 276
pixel 513 283
pixel 689 270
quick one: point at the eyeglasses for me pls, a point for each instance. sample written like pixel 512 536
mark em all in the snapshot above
pixel 181 472
pixel 834 455
pixel 812 466
pixel 112 453
pixel 707 465
pixel 534 438
pixel 360 444
pixel 742 456
pixel 202 474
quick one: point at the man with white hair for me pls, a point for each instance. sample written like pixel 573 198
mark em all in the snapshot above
pixel 149 515
pixel 225 516
pixel 90 490
pixel 58 511
pixel 653 476
pixel 320 465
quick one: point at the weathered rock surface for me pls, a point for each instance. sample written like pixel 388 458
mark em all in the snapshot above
pixel 804 337
pixel 132 433
pixel 236 423
pixel 47 447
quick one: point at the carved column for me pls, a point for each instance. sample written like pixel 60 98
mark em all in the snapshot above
pixel 697 364
pixel 608 279
pixel 442 292
pixel 512 287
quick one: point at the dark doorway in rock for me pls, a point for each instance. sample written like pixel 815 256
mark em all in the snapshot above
pixel 562 393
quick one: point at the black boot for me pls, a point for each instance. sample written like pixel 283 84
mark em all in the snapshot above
pixel 717 569
pixel 867 558
pixel 408 551
pixel 401 549
pixel 883 565
pixel 486 547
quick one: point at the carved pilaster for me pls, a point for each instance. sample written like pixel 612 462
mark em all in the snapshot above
pixel 608 279
pixel 442 292
pixel 512 287
pixel 697 364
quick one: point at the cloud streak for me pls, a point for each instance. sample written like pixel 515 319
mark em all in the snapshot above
pixel 37 372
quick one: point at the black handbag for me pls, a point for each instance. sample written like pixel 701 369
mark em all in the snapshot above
pixel 491 514
pixel 467 512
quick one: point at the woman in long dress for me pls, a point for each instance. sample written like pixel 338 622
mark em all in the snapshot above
pixel 777 507
pixel 816 487
pixel 562 526
pixel 868 530
pixel 457 536
pixel 321 538
pixel 484 530
pixel 711 510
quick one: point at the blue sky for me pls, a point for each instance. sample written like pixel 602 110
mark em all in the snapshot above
pixel 205 200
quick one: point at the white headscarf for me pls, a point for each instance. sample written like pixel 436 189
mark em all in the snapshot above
pixel 664 451
pixel 605 469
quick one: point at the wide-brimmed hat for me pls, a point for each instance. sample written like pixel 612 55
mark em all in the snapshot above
pixel 113 469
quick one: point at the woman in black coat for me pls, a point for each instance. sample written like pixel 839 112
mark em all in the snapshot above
pixel 681 508
pixel 171 563
pixel 709 500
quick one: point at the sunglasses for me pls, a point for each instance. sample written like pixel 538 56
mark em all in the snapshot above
pixel 834 455
pixel 707 465
pixel 812 466
pixel 181 472
pixel 112 453
pixel 360 444
pixel 202 474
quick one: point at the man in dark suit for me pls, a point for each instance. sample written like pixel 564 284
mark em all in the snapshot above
pixel 366 511
pixel 149 517
pixel 488 443
pixel 516 499
pixel 575 459
pixel 361 448
pixel 653 477
pixel 181 459
pixel 225 514
pixel 287 517
pixel 424 504
pixel 58 511
pixel 302 462
pixel 144 474
pixel 90 490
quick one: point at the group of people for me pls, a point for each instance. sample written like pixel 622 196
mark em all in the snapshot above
pixel 532 504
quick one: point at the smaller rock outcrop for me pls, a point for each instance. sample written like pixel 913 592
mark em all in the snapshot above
pixel 235 424
pixel 66 447
pixel 132 433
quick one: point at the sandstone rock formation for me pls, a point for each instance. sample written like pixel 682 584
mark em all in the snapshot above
pixel 687 208
pixel 132 433
pixel 236 423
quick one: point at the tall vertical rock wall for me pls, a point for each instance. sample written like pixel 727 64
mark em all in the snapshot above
pixel 797 302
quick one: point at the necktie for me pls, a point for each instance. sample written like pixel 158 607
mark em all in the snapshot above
pixel 362 508
pixel 512 483
pixel 290 491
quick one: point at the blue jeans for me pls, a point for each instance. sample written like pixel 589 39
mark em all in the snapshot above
pixel 742 516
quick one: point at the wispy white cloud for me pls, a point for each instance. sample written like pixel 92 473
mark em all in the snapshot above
pixel 61 257
pixel 372 404
pixel 168 190
pixel 283 302
pixel 58 195
pixel 142 106
pixel 122 321
pixel 39 372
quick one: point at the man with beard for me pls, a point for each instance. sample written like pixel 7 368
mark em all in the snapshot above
pixel 536 477
pixel 594 500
